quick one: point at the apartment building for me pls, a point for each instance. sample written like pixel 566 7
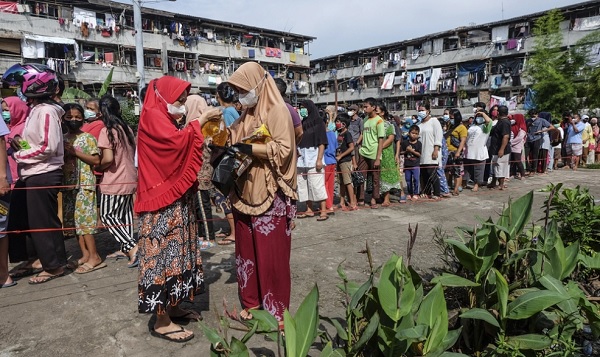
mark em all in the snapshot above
pixel 454 68
pixel 84 39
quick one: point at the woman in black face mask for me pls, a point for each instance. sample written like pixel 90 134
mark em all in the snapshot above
pixel 79 195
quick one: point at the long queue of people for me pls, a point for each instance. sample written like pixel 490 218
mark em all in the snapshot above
pixel 90 153
pixel 424 157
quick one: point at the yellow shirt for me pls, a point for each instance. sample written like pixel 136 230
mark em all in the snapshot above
pixel 459 132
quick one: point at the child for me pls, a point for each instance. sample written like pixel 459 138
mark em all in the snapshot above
pixel 411 149
pixel 330 156
pixel 79 198
pixel 346 160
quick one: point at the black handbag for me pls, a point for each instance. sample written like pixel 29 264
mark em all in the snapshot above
pixel 224 163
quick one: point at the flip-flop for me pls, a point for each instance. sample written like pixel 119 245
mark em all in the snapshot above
pixel 188 316
pixel 46 278
pixel 117 255
pixel 322 218
pixel 135 263
pixel 88 268
pixel 166 335
pixel 304 215
pixel 226 241
pixel 375 206
pixel 23 272
pixel 222 235
pixel 207 244
pixel 8 285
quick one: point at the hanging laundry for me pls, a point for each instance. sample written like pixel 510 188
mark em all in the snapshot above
pixel 434 79
pixel 388 81
pixel 292 57
pixel 511 44
pixel 251 53
pixel 374 63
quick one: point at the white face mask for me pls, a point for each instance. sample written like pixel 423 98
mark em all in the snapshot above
pixel 177 112
pixel 249 99
pixel 351 113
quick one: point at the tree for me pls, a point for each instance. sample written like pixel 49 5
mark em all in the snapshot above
pixel 551 67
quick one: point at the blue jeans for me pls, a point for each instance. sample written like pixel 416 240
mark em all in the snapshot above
pixel 412 176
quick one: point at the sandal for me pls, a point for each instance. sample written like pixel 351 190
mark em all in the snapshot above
pixel 226 241
pixel 167 335
pixel 23 272
pixel 222 235
pixel 246 315
pixel 322 218
pixel 135 262
pixel 345 208
pixel 304 215
pixel 88 268
pixel 374 206
pixel 386 204
pixel 45 278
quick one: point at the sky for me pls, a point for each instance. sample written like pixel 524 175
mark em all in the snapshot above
pixel 346 25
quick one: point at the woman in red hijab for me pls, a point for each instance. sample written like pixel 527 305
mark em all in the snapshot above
pixel 170 265
pixel 19 110
pixel 519 136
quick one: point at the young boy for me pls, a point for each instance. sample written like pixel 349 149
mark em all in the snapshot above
pixel 346 160
pixel 411 149
pixel 371 149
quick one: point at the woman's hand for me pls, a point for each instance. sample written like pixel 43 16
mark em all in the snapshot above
pixel 210 115
pixel 69 149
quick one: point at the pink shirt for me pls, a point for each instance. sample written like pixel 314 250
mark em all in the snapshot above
pixel 121 177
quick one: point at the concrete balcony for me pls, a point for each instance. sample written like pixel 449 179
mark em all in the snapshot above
pixel 50 27
pixel 445 59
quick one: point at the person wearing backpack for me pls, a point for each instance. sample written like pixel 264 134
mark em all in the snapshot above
pixel 535 131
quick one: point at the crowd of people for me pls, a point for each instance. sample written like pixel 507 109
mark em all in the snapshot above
pixel 106 173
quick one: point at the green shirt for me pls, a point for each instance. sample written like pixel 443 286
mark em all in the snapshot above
pixel 372 131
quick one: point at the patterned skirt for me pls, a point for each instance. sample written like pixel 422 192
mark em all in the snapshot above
pixel 170 267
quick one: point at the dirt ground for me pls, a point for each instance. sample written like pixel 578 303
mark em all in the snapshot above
pixel 96 314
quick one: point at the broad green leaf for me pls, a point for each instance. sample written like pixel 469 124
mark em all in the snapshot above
pixel 571 260
pixel 289 326
pixel 238 348
pixel 447 343
pixel 531 303
pixel 417 333
pixel 529 342
pixel 307 322
pixel 328 351
pixel 366 334
pixel 338 327
pixel 501 292
pixel 251 332
pixel 568 306
pixel 212 335
pixel 360 292
pixel 388 342
pixel 590 262
pixel 74 93
pixel 453 281
pixel 408 292
pixel 437 316
pixel 453 354
pixel 266 321
pixel 516 258
pixel 480 314
pixel 517 214
pixel 106 83
pixel 431 307
pixel 388 287
pixel 489 251
pixel 466 257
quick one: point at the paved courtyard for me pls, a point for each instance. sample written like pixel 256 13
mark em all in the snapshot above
pixel 96 314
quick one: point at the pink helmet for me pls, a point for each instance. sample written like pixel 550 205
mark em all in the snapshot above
pixel 35 80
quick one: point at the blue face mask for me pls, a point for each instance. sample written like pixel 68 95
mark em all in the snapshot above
pixel 422 115
pixel 303 112
pixel 331 126
pixel 6 116
pixel 479 120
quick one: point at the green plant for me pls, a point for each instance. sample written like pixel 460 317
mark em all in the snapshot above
pixel 514 276
pixel 577 215
pixel 392 316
